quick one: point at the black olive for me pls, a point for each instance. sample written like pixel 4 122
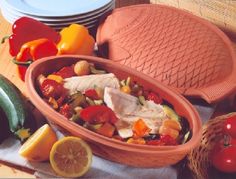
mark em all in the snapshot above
pixel 152 137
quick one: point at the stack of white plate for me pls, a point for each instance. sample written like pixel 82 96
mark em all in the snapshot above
pixel 57 13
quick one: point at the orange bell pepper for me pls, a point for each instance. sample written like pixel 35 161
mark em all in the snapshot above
pixel 76 39
pixel 140 129
pixel 31 51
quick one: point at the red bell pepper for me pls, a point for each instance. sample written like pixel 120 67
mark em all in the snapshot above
pixel 32 51
pixel 27 29
pixel 92 93
pixel 66 72
pixel 98 115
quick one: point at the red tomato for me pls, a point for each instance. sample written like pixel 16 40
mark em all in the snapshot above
pixel 66 111
pixel 155 142
pixel 51 88
pixel 154 97
pixel 164 140
pixel 223 157
pixel 230 126
pixel 168 140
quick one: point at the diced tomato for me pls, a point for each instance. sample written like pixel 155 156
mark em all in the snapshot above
pixel 51 88
pixel 92 93
pixel 168 140
pixel 154 97
pixel 106 129
pixel 66 72
pixel 98 114
pixel 164 140
pixel 66 111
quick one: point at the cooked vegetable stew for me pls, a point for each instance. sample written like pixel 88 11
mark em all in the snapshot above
pixel 120 109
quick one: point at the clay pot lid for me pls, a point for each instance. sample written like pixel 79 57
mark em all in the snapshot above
pixel 172 46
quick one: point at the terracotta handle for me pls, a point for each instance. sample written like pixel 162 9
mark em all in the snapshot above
pixel 216 92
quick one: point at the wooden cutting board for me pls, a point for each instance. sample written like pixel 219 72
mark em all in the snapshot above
pixel 7 171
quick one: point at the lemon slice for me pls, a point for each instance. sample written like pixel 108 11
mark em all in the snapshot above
pixel 71 157
pixel 38 146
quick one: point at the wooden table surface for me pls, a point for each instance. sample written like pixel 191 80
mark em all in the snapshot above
pixel 8 69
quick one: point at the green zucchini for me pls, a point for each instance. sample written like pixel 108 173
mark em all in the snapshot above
pixel 171 113
pixel 4 127
pixel 15 107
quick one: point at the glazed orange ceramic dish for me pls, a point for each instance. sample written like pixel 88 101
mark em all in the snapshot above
pixel 125 116
pixel 177 48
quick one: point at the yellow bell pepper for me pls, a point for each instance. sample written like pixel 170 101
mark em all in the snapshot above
pixel 76 39
pixel 57 78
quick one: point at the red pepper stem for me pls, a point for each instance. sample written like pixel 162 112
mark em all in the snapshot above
pixel 26 63
pixel 5 38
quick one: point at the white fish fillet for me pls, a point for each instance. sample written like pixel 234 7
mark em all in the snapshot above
pixel 129 110
pixel 121 103
pixel 82 83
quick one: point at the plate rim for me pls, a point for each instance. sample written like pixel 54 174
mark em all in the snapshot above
pixel 18 6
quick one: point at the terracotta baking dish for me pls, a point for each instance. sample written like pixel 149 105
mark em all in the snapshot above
pixel 172 46
pixel 115 150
